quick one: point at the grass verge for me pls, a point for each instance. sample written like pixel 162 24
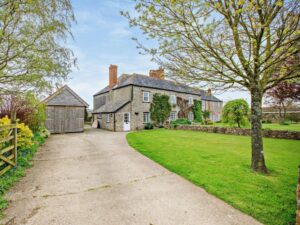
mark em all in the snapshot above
pixel 13 175
pixel 221 165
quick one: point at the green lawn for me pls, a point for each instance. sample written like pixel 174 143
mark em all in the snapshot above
pixel 272 126
pixel 221 164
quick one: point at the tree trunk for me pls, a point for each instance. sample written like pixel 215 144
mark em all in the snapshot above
pixel 258 159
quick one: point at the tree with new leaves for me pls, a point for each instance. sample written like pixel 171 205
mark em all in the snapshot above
pixel 236 112
pixel 224 44
pixel 160 108
pixel 33 55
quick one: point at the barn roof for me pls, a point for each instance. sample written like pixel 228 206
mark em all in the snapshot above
pixel 146 81
pixel 65 96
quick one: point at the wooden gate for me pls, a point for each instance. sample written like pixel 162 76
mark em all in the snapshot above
pixel 8 147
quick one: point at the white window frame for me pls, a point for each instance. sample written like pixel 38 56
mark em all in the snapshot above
pixel 173 99
pixel 190 116
pixel 148 117
pixel 146 96
pixel 191 100
pixel 173 115
pixel 107 118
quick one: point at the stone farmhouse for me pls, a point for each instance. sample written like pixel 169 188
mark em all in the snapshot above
pixel 124 104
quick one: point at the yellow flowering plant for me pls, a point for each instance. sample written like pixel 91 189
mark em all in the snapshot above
pixel 24 136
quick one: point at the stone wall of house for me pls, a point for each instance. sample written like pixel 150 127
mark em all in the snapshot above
pixel 138 107
pixel 107 125
pixel 298 199
pixel 215 108
pixel 119 116
pixel 241 131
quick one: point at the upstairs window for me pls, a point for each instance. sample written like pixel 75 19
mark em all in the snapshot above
pixel 173 99
pixel 191 100
pixel 146 96
pixel 173 115
pixel 146 117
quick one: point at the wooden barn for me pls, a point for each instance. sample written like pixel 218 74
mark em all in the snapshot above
pixel 65 111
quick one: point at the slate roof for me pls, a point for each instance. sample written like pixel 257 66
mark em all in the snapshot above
pixel 146 81
pixel 111 108
pixel 65 96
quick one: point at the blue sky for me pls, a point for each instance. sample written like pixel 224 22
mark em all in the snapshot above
pixel 102 37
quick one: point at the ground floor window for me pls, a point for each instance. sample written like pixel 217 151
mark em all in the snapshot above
pixel 99 116
pixel 173 115
pixel 146 117
pixel 191 116
pixel 107 118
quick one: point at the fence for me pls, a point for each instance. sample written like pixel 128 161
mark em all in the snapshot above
pixel 8 147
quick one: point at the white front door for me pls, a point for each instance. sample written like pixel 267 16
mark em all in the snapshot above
pixel 126 121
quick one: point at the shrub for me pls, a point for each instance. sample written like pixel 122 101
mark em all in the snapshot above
pixel 197 110
pixel 209 122
pixel 149 126
pixel 25 135
pixel 44 132
pixel 28 108
pixel 236 112
pixel 182 121
pixel 285 122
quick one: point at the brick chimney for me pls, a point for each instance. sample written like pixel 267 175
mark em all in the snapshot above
pixel 113 75
pixel 159 74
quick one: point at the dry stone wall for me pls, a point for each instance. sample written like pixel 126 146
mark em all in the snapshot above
pixel 241 131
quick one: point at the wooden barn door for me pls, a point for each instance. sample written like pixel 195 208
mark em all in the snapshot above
pixel 59 119
pixel 74 119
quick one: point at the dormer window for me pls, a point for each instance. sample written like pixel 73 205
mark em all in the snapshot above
pixel 146 96
pixel 191 100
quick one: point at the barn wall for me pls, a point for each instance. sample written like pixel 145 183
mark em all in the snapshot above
pixel 65 119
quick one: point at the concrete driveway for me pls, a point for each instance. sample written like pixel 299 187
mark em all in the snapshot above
pixel 96 178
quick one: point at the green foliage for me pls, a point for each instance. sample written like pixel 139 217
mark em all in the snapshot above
pixel 182 121
pixel 33 54
pixel 36 119
pixel 24 161
pixel 149 126
pixel 197 110
pixel 160 108
pixel 236 112
pixel 25 135
pixel 221 165
pixel 206 115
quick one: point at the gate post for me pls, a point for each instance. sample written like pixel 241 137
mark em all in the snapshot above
pixel 14 142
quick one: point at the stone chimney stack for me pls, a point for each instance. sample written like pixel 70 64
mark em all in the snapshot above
pixel 113 75
pixel 159 74
pixel 209 92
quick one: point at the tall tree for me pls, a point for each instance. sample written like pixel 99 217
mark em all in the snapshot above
pixel 32 39
pixel 224 43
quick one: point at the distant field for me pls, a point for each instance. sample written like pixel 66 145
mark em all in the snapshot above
pixel 221 165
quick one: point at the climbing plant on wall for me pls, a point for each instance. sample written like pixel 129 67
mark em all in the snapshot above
pixel 160 109
pixel 197 110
